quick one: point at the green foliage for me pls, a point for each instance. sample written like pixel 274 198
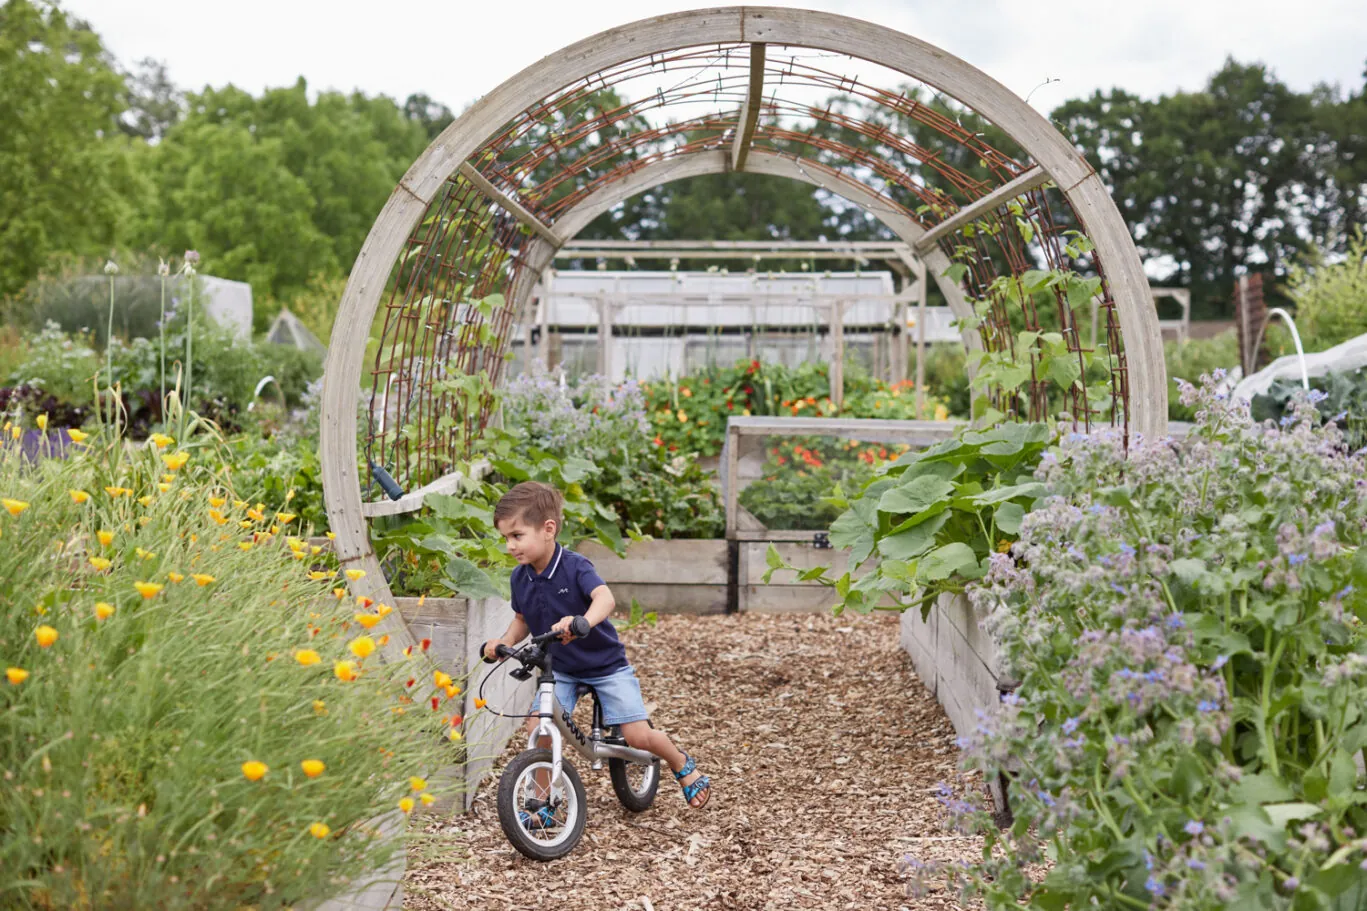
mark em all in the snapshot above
pixel 62 186
pixel 1340 399
pixel 282 469
pixel 1185 623
pixel 800 475
pixel 1194 359
pixel 933 518
pixel 60 365
pixel 1331 298
pixel 124 747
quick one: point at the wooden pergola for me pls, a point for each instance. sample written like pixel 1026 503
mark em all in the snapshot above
pixel 502 191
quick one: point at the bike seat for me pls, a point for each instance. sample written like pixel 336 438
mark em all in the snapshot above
pixel 582 689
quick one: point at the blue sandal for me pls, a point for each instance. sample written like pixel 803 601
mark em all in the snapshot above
pixel 703 784
pixel 537 815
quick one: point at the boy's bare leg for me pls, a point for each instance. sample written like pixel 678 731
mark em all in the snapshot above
pixel 641 736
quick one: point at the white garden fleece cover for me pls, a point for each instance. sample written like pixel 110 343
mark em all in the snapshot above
pixel 1342 358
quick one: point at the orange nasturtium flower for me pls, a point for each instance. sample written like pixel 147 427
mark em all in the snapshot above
pixel 176 461
pixel 254 771
pixel 15 675
pixel 319 830
pixel 307 656
pixel 101 563
pixel 352 574
pixel 345 671
pixel 366 620
pixel 148 590
pixel 13 507
pixel 406 804
pixel 312 767
pixel 78 496
pixel 161 440
pixel 45 635
pixel 103 610
pixel 106 537
pixel 77 436
pixel 362 646
pixel 203 579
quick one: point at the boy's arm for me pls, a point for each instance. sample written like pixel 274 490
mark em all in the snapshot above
pixel 600 607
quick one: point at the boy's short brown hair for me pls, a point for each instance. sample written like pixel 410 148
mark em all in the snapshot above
pixel 533 502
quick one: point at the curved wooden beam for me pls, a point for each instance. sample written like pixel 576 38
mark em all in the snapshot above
pixel 731 25
pixel 749 111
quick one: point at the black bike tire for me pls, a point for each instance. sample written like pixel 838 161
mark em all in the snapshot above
pixel 507 810
pixel 630 798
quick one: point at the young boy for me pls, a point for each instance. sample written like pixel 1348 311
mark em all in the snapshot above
pixel 551 586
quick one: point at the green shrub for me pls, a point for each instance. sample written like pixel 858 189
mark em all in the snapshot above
pixel 1331 299
pixel 1185 621
pixel 123 742
pixel 1193 359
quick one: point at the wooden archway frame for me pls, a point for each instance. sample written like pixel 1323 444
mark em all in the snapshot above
pixel 799 28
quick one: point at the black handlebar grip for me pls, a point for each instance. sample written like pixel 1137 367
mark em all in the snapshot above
pixel 579 627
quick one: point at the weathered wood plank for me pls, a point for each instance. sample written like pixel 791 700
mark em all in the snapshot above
pixel 509 204
pixel 687 562
pixel 1022 183
pixel 749 111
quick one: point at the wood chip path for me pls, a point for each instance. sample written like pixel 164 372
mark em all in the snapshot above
pixel 824 751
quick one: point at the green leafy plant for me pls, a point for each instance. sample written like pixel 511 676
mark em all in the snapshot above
pixel 1340 398
pixel 933 519
pixel 1331 298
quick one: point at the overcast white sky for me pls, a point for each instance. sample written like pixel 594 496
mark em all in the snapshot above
pixel 456 50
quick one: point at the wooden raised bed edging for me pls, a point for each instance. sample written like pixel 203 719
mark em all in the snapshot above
pixel 956 659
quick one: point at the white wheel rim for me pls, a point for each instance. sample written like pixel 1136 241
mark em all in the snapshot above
pixel 566 802
pixel 648 774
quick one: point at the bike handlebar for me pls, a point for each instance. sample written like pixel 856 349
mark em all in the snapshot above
pixel 579 628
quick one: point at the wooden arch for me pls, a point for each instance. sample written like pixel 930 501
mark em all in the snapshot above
pixel 1054 159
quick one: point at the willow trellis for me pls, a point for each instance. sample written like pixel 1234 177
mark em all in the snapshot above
pixel 451 260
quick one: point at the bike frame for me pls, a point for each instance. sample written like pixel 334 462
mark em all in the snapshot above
pixel 555 723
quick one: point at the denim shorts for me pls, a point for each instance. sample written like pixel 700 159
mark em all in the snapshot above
pixel 619 691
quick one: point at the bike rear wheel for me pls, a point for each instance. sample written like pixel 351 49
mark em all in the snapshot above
pixel 541 835
pixel 634 784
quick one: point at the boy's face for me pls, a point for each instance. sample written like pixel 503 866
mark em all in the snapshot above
pixel 528 543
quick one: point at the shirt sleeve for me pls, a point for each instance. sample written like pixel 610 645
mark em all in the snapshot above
pixel 588 580
pixel 512 591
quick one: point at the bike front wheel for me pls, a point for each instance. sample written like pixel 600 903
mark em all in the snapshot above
pixel 543 819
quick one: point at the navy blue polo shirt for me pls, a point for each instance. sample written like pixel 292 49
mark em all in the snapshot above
pixel 564 590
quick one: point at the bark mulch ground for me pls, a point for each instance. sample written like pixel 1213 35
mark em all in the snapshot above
pixel 824 751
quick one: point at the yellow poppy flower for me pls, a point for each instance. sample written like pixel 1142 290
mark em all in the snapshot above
pixel 42 421
pixel 442 680
pixel 161 440
pixel 175 577
pixel 106 537
pixel 176 461
pixel 319 830
pixel 332 535
pixel 77 436
pixel 344 671
pixel 320 707
pixel 45 635
pixel 352 574
pixel 254 771
pixel 145 500
pixel 453 734
pixel 78 496
pixel 14 507
pixel 284 518
pixel 218 517
pixel 117 492
pixel 480 703
pixel 164 486
pixel 144 554
pixel 384 610
pixel 256 515
pixel 298 555
pixel 101 563
pixel 103 610
pixel 315 550
pixel 307 656
pixel 406 804
pixel 340 593
pixel 15 675
pixel 203 579
pixel 312 767
pixel 168 478
pixel 244 545
pixel 15 432
pixel 239 504
pixel 366 620
pixel 361 646
pixel 245 523
pixel 148 590
pixel 216 502
pixel 319 575
pixel 417 784
pixel 452 691
pixel 427 799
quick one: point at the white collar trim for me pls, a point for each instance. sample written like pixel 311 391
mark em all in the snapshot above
pixel 559 552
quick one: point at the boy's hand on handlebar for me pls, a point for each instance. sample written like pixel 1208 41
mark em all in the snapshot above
pixel 489 647
pixel 562 626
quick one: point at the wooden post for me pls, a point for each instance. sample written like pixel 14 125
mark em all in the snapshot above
pixel 838 352
pixel 605 305
pixel 920 348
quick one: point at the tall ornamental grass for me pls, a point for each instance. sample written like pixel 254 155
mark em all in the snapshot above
pixel 193 712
